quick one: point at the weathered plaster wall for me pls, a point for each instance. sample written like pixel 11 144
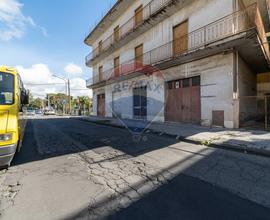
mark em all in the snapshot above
pixel 216 90
pixel 216 85
pixel 247 83
pixel 199 14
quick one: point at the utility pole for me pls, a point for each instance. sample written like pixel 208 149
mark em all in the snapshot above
pixel 67 90
pixel 49 104
pixel 69 97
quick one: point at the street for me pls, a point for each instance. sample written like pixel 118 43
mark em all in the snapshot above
pixel 74 169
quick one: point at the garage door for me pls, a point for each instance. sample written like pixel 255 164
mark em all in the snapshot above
pixel 101 105
pixel 183 102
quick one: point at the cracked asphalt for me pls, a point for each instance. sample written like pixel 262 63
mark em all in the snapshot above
pixel 73 169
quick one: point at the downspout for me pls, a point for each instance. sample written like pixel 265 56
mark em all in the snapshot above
pixel 236 98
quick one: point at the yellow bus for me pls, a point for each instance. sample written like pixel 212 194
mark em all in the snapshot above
pixel 12 98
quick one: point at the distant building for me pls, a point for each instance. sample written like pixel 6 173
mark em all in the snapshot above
pixel 180 60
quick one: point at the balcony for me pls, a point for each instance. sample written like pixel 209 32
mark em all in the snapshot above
pixel 240 30
pixel 131 26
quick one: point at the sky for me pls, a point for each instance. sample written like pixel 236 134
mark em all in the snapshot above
pixel 42 38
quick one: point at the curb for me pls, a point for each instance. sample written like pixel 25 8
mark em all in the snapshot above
pixel 240 149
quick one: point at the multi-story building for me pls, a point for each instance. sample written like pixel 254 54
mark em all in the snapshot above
pixel 179 60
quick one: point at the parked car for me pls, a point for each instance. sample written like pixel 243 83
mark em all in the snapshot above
pixel 49 112
pixel 30 112
pixel 39 112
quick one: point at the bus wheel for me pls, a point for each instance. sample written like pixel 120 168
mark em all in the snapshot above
pixel 5 167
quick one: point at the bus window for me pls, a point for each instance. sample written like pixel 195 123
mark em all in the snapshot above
pixel 6 89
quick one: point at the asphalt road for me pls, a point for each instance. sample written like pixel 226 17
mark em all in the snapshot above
pixel 72 169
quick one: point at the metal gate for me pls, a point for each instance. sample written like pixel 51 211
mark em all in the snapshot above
pixel 255 112
pixel 140 102
pixel 183 102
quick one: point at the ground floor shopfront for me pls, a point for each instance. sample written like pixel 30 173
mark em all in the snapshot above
pixel 206 92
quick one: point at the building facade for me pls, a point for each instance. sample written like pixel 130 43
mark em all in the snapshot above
pixel 186 61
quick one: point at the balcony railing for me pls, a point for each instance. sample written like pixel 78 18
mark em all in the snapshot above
pixel 221 29
pixel 149 10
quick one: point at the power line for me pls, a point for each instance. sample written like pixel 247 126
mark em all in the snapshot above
pixel 43 84
pixel 79 89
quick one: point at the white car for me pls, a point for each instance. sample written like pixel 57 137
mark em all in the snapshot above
pixel 49 112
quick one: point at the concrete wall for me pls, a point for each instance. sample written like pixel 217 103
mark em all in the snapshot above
pixel 216 90
pixel 216 85
pixel 119 97
pixel 198 13
pixel 128 14
pixel 263 84
pixel 247 86
pixel 247 79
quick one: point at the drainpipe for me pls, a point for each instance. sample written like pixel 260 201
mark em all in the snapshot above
pixel 236 98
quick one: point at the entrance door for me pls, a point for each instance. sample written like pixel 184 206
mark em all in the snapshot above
pixel 140 102
pixel 183 101
pixel 180 38
pixel 101 105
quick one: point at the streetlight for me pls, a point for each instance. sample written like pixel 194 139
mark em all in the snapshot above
pixel 67 89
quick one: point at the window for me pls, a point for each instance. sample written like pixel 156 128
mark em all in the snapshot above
pixel 6 89
pixel 186 83
pixel 196 81
pixel 170 85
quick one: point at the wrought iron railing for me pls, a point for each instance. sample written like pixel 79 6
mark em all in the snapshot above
pixel 149 10
pixel 223 28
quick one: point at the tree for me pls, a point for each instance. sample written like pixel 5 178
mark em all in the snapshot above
pixel 82 103
pixel 36 103
pixel 57 101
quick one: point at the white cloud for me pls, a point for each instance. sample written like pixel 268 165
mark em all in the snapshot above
pixel 40 80
pixel 13 22
pixel 73 70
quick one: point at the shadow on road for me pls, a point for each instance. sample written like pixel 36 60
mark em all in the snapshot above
pixel 183 197
pixel 89 136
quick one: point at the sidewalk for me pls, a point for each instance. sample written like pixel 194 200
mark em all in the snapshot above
pixel 252 141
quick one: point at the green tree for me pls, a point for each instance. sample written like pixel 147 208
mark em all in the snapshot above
pixel 82 104
pixel 57 101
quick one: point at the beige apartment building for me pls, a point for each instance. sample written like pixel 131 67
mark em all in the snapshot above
pixel 191 61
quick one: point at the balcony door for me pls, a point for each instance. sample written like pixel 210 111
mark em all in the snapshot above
pixel 116 64
pixel 100 73
pixel 100 45
pixel 138 15
pixel 116 33
pixel 139 56
pixel 180 38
